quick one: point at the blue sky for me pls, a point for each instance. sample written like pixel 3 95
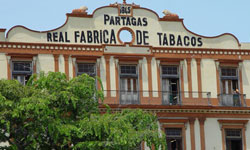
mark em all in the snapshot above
pixel 204 17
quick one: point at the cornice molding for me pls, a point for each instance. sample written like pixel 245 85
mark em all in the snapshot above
pixel 193 111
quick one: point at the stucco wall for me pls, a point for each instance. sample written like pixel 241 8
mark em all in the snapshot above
pixel 103 74
pixel 154 77
pixel 3 66
pixel 197 135
pixel 194 78
pixel 112 76
pixel 61 64
pixel 144 67
pixel 245 78
pixel 70 68
pixel 2 36
pixel 213 133
pixel 45 63
pixel 208 77
pixel 213 136
pixel 185 78
pixel 188 139
pixel 248 136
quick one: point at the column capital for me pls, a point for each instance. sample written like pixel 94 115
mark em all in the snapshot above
pixel 198 61
pixel 191 120
pixel 66 57
pixel 149 58
pixel 107 57
pixel 188 60
pixel 56 56
pixel 202 120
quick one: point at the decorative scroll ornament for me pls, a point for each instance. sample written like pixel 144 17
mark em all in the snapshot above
pixel 169 14
pixel 81 10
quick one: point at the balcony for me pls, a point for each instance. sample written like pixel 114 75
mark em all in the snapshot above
pixel 129 97
pixel 234 100
pixel 157 98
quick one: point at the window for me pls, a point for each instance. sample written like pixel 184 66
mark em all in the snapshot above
pixel 170 85
pixel 88 68
pixel 233 134
pixel 233 139
pixel 229 87
pixel 21 71
pixel 129 84
pixel 229 79
pixel 174 138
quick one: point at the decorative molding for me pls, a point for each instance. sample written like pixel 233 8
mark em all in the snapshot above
pixel 182 64
pixel 73 60
pixel 140 63
pixel 217 64
pixel 158 62
pixel 98 61
pixel 233 124
pixel 200 51
pixel 191 111
pixel 202 132
pixel 116 62
pixel 240 65
pixel 100 48
pixel 44 46
pixel 192 132
pixel 8 59
pixel 228 122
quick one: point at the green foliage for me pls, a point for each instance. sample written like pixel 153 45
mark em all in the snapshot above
pixel 119 131
pixel 54 113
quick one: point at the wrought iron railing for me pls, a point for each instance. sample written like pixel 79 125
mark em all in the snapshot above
pixel 157 97
pixel 234 100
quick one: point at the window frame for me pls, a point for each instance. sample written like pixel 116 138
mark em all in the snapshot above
pixel 177 77
pixel 236 127
pixel 179 137
pixel 233 124
pixel 229 91
pixel 236 77
pixel 136 76
pixel 124 75
pixel 229 77
pixel 179 123
pixel 170 76
pixel 88 63
pixel 21 73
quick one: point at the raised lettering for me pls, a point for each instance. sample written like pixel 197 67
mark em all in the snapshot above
pixel 165 40
pixel 145 37
pixel 112 37
pixel 138 37
pixel 49 38
pixel 106 18
pixel 159 35
pixel 172 39
pixel 55 36
pixel 179 41
pixel 200 42
pixel 105 34
pixel 61 39
pixel 83 39
pixel 89 35
pixel 186 41
pixel 193 41
pixel 96 36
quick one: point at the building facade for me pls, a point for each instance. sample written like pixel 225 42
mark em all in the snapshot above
pixel 199 87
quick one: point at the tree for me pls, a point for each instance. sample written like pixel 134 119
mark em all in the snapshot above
pixel 51 112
